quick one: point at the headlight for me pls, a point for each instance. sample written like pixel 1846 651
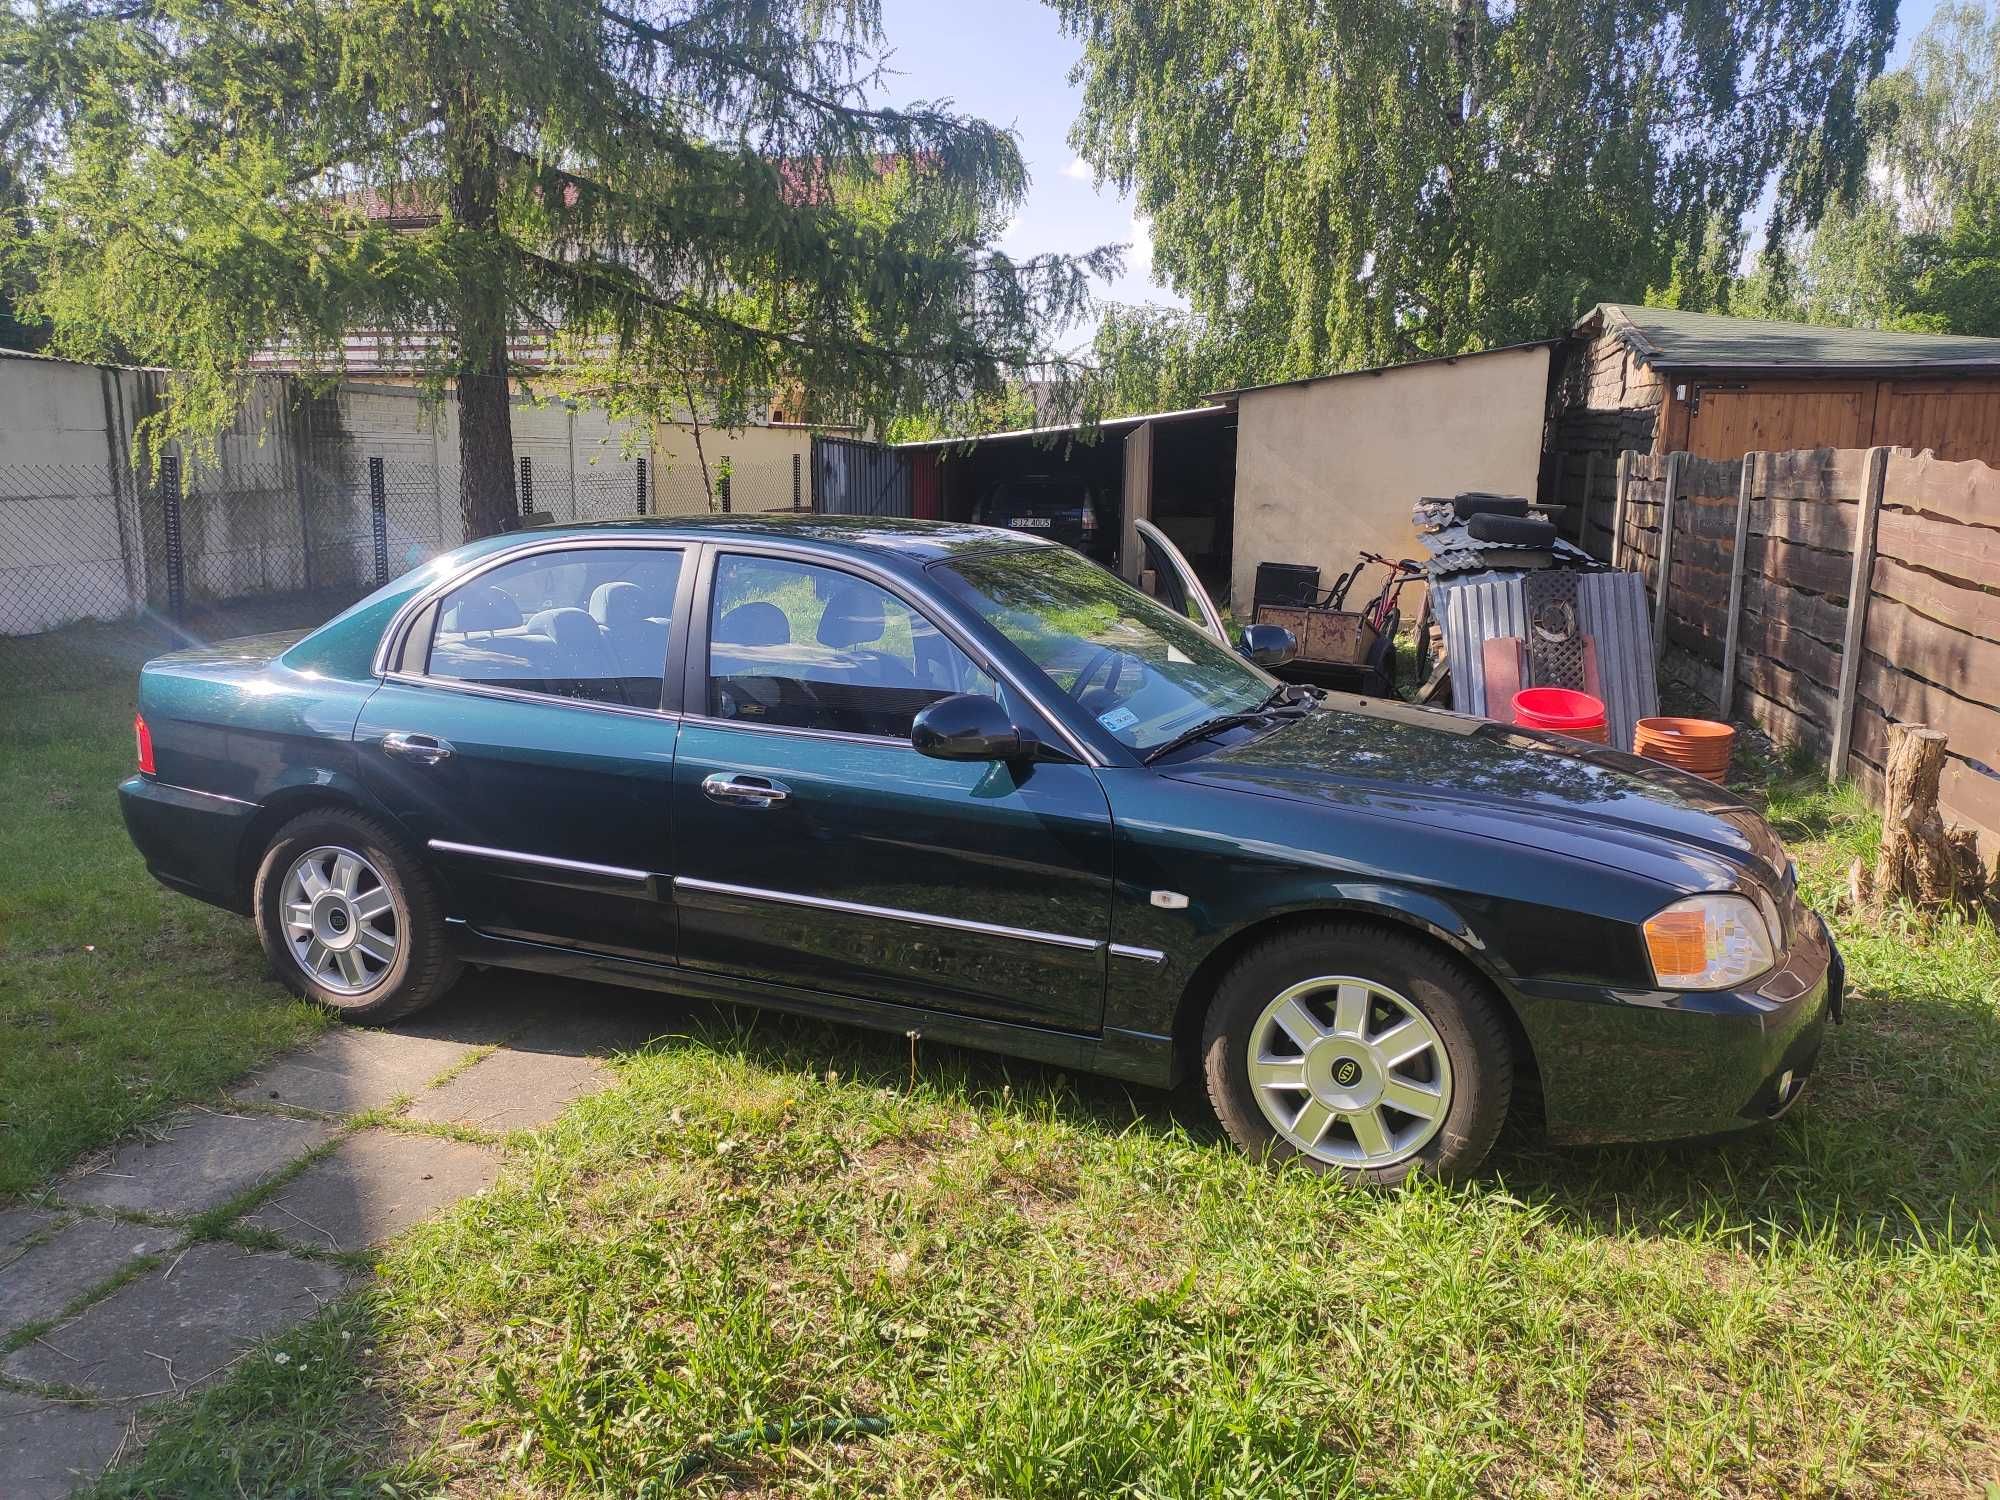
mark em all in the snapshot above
pixel 1709 942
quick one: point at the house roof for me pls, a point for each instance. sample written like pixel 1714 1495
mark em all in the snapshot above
pixel 1408 364
pixel 1067 429
pixel 1666 338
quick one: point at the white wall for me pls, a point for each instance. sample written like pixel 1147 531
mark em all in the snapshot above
pixel 1328 468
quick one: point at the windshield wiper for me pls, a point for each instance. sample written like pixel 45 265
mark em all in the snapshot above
pixel 1279 701
pixel 1203 730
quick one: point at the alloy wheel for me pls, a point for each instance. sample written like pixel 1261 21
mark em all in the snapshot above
pixel 1349 1072
pixel 340 920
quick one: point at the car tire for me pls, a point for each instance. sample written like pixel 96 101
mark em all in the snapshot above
pixel 1381 1111
pixel 370 946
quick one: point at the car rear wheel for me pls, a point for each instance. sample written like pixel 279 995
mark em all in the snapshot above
pixel 1358 1050
pixel 350 919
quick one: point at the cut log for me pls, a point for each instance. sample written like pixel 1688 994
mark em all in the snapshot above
pixel 1922 861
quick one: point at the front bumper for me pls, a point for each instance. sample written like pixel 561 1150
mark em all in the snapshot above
pixel 190 840
pixel 1624 1065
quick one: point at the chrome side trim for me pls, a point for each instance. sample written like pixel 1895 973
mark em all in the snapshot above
pixel 815 734
pixel 889 914
pixel 516 695
pixel 195 791
pixel 547 861
pixel 1140 955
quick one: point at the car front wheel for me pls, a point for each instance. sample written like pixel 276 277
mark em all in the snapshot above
pixel 350 919
pixel 1358 1050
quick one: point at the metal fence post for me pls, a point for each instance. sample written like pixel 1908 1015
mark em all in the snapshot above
pixel 640 470
pixel 797 488
pixel 527 485
pixel 378 519
pixel 170 516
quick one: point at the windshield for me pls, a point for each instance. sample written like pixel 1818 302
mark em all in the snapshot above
pixel 1143 672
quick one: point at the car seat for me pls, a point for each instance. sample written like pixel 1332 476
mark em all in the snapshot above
pixel 854 617
pixel 635 641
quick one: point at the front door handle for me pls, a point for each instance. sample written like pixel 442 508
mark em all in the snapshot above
pixel 425 749
pixel 745 791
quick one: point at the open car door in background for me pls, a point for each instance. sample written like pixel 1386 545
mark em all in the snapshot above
pixel 1174 583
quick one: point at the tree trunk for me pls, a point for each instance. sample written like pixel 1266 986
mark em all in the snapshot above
pixel 485 413
pixel 1918 861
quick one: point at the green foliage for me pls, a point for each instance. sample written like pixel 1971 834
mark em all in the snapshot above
pixel 1163 359
pixel 702 198
pixel 1355 184
pixel 1915 246
pixel 1007 409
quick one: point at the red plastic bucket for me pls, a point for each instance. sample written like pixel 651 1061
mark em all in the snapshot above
pixel 1562 710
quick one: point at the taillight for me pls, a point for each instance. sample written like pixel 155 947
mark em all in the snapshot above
pixel 145 739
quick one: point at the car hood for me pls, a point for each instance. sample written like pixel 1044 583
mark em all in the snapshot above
pixel 1520 785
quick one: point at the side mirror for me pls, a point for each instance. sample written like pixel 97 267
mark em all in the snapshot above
pixel 1268 645
pixel 967 726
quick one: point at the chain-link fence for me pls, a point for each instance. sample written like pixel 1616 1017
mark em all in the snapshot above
pixel 101 568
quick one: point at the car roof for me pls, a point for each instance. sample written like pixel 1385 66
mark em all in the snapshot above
pixel 894 537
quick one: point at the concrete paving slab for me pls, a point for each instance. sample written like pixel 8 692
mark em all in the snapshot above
pixel 512 1091
pixel 181 1325
pixel 206 1159
pixel 373 1186
pixel 56 1272
pixel 349 1071
pixel 48 1448
pixel 19 1224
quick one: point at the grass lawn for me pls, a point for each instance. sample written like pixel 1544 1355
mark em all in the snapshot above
pixel 117 998
pixel 1047 1286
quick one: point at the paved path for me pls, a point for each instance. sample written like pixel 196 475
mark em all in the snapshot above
pixel 129 1285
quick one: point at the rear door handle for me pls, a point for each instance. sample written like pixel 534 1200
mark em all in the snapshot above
pixel 425 749
pixel 745 791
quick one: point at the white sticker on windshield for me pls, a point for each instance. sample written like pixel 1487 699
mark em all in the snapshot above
pixel 1117 719
pixel 1174 653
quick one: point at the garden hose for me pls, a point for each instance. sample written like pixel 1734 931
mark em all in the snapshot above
pixel 833 1429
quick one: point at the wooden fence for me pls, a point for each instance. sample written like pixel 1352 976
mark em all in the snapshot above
pixel 1827 593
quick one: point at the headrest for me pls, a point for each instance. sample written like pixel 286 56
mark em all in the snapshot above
pixel 484 607
pixel 618 606
pixel 566 627
pixel 757 624
pixel 853 616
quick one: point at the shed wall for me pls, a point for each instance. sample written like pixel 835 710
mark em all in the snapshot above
pixel 1327 469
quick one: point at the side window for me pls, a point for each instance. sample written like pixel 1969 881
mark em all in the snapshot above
pixel 588 623
pixel 804 647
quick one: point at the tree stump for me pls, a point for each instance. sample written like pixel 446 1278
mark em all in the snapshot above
pixel 1921 861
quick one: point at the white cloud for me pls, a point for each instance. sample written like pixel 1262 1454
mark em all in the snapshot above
pixel 1139 259
pixel 1079 169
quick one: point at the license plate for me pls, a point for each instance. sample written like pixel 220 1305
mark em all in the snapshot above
pixel 1031 523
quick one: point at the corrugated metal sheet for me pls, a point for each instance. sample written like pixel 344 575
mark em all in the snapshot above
pixel 855 478
pixel 1611 608
pixel 1475 608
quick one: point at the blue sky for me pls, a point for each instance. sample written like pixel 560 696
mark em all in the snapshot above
pixel 1008 61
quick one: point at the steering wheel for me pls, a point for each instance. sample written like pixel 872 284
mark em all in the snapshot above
pixel 1107 693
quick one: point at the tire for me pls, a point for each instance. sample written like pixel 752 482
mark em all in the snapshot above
pixel 384 954
pixel 1458 1086
pixel 1512 531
